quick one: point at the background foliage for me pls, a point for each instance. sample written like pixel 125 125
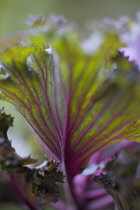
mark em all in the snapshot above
pixel 13 13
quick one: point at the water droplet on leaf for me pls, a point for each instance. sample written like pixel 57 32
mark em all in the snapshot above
pixel 3 73
pixel 49 50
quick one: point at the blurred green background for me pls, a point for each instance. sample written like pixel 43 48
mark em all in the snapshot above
pixel 13 15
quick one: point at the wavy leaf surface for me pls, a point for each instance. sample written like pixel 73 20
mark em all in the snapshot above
pixel 77 103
